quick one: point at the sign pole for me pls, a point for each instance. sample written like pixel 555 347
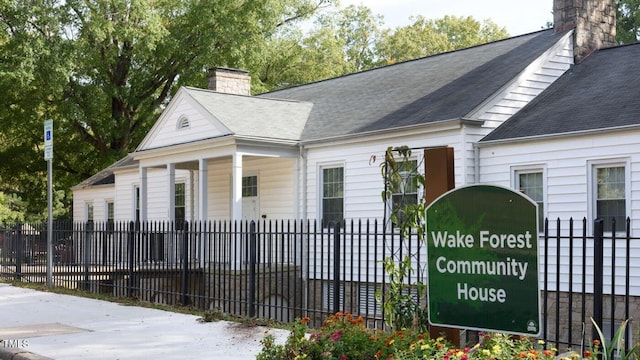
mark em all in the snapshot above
pixel 49 225
pixel 48 156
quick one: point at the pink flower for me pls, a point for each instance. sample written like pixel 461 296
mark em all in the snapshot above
pixel 336 336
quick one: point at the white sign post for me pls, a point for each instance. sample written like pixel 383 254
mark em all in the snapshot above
pixel 48 156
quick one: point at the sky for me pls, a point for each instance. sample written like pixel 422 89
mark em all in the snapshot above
pixel 518 16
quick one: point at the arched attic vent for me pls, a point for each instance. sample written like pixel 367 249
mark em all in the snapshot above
pixel 183 123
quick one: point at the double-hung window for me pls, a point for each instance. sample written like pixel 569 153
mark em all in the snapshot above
pixel 531 183
pixel 110 212
pixel 404 190
pixel 610 194
pixel 332 195
pixel 180 206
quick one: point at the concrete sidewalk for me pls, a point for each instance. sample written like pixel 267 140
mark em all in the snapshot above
pixel 68 327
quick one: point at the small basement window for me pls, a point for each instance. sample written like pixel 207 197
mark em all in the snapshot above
pixel 183 123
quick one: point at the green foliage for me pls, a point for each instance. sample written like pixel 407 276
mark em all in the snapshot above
pixel 627 21
pixel 428 37
pixel 402 307
pixel 103 70
pixel 344 337
pixel 11 208
pixel 614 349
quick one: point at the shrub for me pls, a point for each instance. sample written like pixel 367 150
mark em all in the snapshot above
pixel 344 337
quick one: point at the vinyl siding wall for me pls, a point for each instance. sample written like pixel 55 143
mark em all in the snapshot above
pixel 276 186
pixel 567 164
pixel 167 132
pixel 98 196
pixel 361 159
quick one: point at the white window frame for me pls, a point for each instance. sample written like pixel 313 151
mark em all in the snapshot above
pixel 89 211
pixel 250 175
pixel 592 187
pixel 176 205
pixel 137 198
pixel 516 171
pixel 107 202
pixel 321 168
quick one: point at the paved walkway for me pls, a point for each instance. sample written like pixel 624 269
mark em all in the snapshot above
pixel 69 327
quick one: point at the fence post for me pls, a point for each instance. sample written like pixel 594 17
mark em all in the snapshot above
pixel 252 269
pixel 336 267
pixel 87 253
pixel 185 264
pixel 598 234
pixel 19 251
pixel 131 236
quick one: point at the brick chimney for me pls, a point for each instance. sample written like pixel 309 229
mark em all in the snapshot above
pixel 229 81
pixel 594 22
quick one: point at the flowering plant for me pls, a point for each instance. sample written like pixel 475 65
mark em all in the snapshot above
pixel 615 349
pixel 344 337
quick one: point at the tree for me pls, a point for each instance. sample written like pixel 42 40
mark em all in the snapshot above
pixel 102 70
pixel 628 21
pixel 340 42
pixel 427 37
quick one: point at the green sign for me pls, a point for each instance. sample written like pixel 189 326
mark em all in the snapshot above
pixel 483 260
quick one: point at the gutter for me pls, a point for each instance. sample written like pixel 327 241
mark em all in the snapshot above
pixel 360 135
pixel 558 135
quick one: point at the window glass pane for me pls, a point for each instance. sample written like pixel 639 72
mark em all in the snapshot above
pixel 179 209
pixel 110 211
pixel 530 184
pixel 249 186
pixel 180 198
pixel 332 195
pixel 90 212
pixel 610 193
pixel 405 191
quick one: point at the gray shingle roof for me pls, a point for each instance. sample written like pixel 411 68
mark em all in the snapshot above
pixel 600 92
pixel 254 116
pixel 436 88
pixel 106 176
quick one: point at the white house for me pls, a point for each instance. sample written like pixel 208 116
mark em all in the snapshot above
pixel 313 151
pixel 554 113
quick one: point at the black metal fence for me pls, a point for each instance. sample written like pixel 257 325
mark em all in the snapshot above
pixel 284 270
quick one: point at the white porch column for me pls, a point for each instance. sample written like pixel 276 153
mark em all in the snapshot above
pixel 143 194
pixel 171 172
pixel 203 184
pixel 203 214
pixel 236 188
pixel 236 209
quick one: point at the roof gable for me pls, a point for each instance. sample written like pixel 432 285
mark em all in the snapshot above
pixel 599 93
pixel 199 114
pixel 170 127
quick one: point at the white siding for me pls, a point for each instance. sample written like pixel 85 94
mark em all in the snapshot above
pixel 276 186
pixel 202 125
pixel 157 192
pixel 125 200
pixel 532 81
pixel 362 174
pixel 97 196
pixel 567 162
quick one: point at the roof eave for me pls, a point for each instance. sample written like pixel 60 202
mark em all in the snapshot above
pixel 483 143
pixel 454 121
